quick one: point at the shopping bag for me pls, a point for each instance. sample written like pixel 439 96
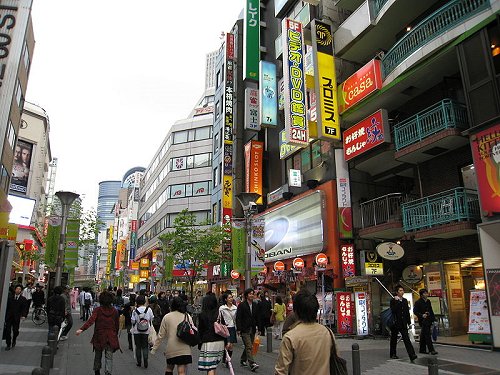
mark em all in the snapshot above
pixel 64 324
pixel 152 336
pixel 411 336
pixel 121 322
pixel 256 345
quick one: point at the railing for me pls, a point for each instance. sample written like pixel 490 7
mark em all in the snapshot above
pixel 442 20
pixel 442 208
pixel 377 5
pixel 443 115
pixel 382 210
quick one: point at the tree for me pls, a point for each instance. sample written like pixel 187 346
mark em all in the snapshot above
pixel 192 246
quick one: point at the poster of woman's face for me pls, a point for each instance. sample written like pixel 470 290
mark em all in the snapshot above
pixel 21 167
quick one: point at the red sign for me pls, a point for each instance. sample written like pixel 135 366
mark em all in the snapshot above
pixel 321 260
pixel 298 263
pixel 134 226
pixel 279 266
pixel 361 84
pixel 486 153
pixel 254 151
pixel 365 135
pixel 347 256
pixel 344 313
pixel 235 274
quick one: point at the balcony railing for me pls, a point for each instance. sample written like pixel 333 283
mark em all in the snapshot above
pixel 382 210
pixel 442 208
pixel 436 24
pixel 446 114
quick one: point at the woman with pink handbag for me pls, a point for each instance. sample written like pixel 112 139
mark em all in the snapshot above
pixel 228 312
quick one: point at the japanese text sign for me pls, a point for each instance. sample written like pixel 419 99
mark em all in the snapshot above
pixel 344 313
pixel 361 313
pixel 347 256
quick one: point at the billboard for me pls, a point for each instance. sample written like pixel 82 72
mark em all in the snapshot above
pixel 21 167
pixel 22 210
pixel 251 40
pixel 268 94
pixel 254 153
pixel 295 85
pixel 327 117
pixel 252 109
pixel 343 196
pixel 486 154
pixel 366 134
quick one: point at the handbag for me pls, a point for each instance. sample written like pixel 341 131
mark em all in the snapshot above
pixel 221 329
pixel 187 332
pixel 338 365
pixel 273 318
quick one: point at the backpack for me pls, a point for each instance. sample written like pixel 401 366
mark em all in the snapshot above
pixel 142 323
pixel 87 300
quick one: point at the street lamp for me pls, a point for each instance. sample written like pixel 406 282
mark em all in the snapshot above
pixel 247 201
pixel 66 198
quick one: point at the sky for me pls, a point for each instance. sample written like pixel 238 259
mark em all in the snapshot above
pixel 114 75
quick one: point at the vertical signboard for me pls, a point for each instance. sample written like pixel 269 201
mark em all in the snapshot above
pixel 238 239
pixel 294 77
pixel 268 94
pixel 344 313
pixel 254 152
pixel 252 109
pixel 71 250
pixel 361 313
pixel 21 167
pixel 328 122
pixel 251 40
pixel 258 245
pixel 486 154
pixel 343 195
pixel 52 240
pixel 347 257
pixel 110 249
pixel 133 240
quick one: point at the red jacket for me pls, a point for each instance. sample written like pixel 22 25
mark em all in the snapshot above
pixel 106 328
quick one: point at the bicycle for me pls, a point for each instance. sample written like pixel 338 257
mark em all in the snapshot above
pixel 39 315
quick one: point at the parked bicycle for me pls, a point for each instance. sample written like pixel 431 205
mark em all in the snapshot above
pixel 39 315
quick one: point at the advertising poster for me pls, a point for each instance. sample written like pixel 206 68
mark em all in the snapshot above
pixel 268 93
pixel 72 236
pixel 479 321
pixel 454 285
pixel 486 154
pixel 361 313
pixel 238 241
pixel 344 313
pixel 493 279
pixel 258 245
pixel 21 167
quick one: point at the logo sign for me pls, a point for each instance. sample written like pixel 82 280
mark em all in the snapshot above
pixel 360 85
pixel 216 270
pixel 252 109
pixel 344 313
pixel 321 260
pixel 268 93
pixel 144 262
pixel 235 274
pixel 295 178
pixel 367 134
pixel 286 149
pixel 298 264
pixel 328 122
pixel 279 266
pixel 295 86
pixel 376 269
pixel 347 256
pixel 254 153
pixel 361 313
pixel 251 42
pixel 486 154
pixel 390 251
pixel 412 274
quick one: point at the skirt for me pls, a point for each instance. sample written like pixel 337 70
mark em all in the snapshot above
pixel 180 360
pixel 232 335
pixel 210 355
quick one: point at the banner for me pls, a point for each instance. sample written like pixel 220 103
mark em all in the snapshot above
pixel 228 90
pixel 52 241
pixel 254 153
pixel 238 242
pixel 344 313
pixel 325 82
pixel 347 257
pixel 21 167
pixel 268 94
pixel 72 239
pixel 251 40
pixel 343 196
pixel 252 109
pixel 258 245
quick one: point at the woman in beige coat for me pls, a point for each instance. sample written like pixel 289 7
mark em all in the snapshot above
pixel 178 353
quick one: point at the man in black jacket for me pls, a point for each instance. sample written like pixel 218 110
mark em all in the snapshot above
pixel 401 311
pixel 247 320
pixel 56 309
pixel 16 310
pixel 38 296
pixel 423 310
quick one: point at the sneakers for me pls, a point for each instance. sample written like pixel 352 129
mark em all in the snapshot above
pixel 243 363
pixel 254 366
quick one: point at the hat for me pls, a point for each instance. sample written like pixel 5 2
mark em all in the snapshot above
pixel 152 299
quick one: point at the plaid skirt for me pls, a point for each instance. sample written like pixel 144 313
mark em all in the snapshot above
pixel 210 355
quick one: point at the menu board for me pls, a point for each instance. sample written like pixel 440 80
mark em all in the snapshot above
pixel 479 321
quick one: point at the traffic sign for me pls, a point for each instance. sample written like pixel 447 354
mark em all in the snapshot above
pixel 235 274
pixel 279 266
pixel 321 260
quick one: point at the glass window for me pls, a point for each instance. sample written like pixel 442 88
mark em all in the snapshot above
pixel 200 188
pixel 26 56
pixel 19 93
pixel 216 143
pixel 191 135
pixel 305 156
pixel 202 160
pixel 179 163
pixel 214 213
pixel 325 150
pixel 296 161
pixel 11 135
pixel 203 133
pixel 178 191
pixel 316 153
pixel 180 137
pixel 190 161
pixel 217 110
pixel 216 176
pixel 189 190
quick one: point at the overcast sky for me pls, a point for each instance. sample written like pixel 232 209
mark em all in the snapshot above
pixel 113 75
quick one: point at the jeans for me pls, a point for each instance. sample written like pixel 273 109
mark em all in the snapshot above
pixel 86 312
pixel 278 329
pixel 108 360
pixel 247 339
pixel 141 347
pixel 406 340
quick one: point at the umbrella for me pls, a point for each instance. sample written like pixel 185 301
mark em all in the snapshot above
pixel 387 318
pixel 63 325
pixel 229 364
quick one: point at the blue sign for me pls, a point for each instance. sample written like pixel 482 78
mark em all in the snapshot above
pixel 268 92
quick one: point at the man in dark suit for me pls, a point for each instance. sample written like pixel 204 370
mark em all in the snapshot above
pixel 401 312
pixel 423 310
pixel 247 320
pixel 16 310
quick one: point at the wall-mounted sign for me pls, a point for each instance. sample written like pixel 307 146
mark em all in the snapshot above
pixel 298 264
pixel 254 153
pixel 361 313
pixel 258 248
pixel 144 262
pixel 295 178
pixel 251 41
pixel 268 93
pixel 374 269
pixel 390 251
pixel 321 260
pixel 412 274
pixel 279 266
pixel 347 257
pixel 286 149
pixel 134 266
pixel 144 274
pixel 366 134
pixel 343 196
pixel 252 109
pixel 275 196
pixel 361 84
pixel 344 313
pixel 295 85
pixel 235 274
pixel 134 279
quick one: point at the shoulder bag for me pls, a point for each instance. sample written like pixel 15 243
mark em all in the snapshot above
pixel 221 329
pixel 338 365
pixel 187 332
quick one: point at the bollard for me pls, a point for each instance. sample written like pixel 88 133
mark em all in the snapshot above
pixel 37 371
pixel 356 360
pixel 53 347
pixel 46 359
pixel 432 366
pixel 269 336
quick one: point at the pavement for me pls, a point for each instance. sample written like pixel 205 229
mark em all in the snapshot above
pixel 75 356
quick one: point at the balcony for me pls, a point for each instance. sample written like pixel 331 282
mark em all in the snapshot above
pixel 431 132
pixel 452 213
pixel 381 217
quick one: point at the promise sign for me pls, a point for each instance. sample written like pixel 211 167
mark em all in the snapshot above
pixel 295 87
pixel 328 122
pixel 251 41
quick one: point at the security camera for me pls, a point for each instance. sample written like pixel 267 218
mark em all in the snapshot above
pixel 252 207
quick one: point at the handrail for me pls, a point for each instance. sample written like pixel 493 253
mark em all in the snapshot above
pixel 382 209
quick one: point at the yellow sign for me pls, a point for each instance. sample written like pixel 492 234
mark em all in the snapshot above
pixel 110 250
pixel 134 278
pixel 227 192
pixel 374 269
pixel 144 273
pixel 144 262
pixel 134 265
pixel 12 235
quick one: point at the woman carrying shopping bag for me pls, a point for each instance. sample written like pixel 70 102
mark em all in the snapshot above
pixel 212 345
pixel 279 311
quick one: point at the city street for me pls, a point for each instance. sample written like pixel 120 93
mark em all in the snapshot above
pixel 75 357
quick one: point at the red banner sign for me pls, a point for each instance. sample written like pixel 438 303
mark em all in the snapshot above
pixel 367 134
pixel 361 84
pixel 347 256
pixel 344 313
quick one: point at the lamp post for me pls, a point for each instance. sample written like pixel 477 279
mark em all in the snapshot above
pixel 247 201
pixel 66 198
